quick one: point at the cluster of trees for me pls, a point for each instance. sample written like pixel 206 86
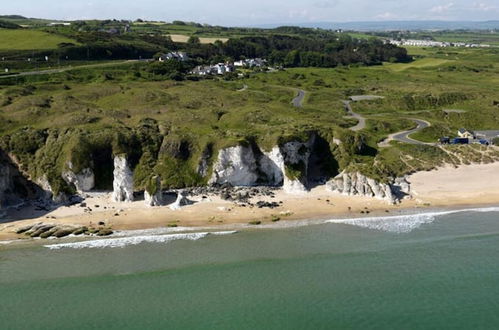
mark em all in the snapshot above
pixel 302 51
pixel 284 46
pixel 8 25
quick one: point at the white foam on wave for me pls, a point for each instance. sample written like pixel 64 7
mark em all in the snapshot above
pixel 121 242
pixel 404 223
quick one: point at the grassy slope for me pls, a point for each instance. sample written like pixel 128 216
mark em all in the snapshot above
pixel 214 111
pixel 29 40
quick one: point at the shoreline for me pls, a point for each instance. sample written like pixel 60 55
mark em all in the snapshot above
pixel 434 190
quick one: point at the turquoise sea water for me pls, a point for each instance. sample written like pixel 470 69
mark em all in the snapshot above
pixel 421 272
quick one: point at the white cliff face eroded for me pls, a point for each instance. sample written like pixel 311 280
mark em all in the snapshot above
pixel 272 166
pixel 156 198
pixel 235 165
pixel 123 181
pixel 181 201
pixel 295 153
pixel 240 166
pixel 352 184
pixel 83 181
pixel 44 184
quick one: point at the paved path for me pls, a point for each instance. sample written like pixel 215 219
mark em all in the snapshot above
pixel 298 100
pixel 362 121
pixel 404 135
pixel 68 68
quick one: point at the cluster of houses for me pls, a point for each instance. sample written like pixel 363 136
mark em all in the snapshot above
pixel 217 69
pixel 223 68
pixel 432 43
pixel 179 56
pixel 251 63
pixel 465 136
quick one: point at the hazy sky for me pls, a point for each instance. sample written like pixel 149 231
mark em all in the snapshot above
pixel 251 12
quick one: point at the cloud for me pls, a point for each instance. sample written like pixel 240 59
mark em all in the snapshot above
pixel 326 4
pixel 442 8
pixel 386 15
pixel 483 6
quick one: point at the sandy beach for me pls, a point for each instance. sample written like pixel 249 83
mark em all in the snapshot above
pixel 446 187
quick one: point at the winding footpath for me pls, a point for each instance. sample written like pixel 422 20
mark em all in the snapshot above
pixel 298 100
pixel 404 135
pixel 362 121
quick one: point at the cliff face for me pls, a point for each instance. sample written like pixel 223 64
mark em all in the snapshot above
pixel 242 166
pixel 235 165
pixel 296 155
pixel 123 180
pixel 356 184
pixel 154 197
pixel 14 187
pixel 83 181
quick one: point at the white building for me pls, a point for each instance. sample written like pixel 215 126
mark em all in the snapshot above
pixel 179 56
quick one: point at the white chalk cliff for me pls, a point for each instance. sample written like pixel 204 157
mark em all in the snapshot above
pixel 83 181
pixel 44 184
pixel 295 153
pixel 240 166
pixel 272 166
pixel 181 201
pixel 156 198
pixel 123 180
pixel 235 165
pixel 356 184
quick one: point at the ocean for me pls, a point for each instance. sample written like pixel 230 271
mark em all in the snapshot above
pixel 428 271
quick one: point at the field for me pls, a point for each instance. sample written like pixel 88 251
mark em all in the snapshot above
pixel 203 40
pixel 30 40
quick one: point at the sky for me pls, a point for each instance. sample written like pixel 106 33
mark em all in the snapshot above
pixel 256 12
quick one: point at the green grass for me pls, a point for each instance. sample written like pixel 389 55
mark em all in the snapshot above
pixel 420 63
pixel 30 40
pixel 92 104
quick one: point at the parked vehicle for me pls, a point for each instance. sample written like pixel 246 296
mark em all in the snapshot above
pixel 444 140
pixel 460 141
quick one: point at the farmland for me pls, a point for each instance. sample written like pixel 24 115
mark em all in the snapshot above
pixel 12 40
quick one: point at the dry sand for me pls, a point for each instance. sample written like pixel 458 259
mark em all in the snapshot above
pixel 445 187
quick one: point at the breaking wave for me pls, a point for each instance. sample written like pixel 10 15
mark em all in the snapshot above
pixel 121 242
pixel 404 223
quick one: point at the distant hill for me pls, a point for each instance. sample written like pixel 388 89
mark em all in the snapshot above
pixel 12 17
pixel 8 25
pixel 397 25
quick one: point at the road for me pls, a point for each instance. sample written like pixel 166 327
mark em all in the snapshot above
pixel 298 100
pixel 362 121
pixel 68 68
pixel 404 135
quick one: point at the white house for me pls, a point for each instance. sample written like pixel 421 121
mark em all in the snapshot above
pixel 179 56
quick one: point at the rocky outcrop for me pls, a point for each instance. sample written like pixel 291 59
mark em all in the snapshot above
pixel 48 192
pixel 296 155
pixel 123 180
pixel 153 195
pixel 236 166
pixel 284 165
pixel 16 188
pixel 356 184
pixel 83 181
pixel 58 231
pixel 181 201
pixel 203 165
pixel 272 167
pixel 6 184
